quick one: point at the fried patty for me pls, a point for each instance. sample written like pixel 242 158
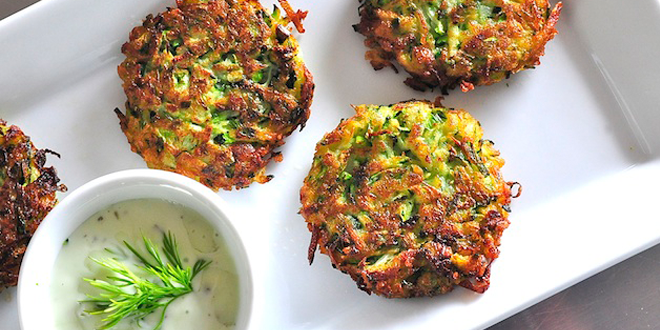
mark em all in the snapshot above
pixel 213 89
pixel 408 200
pixel 27 194
pixel 447 43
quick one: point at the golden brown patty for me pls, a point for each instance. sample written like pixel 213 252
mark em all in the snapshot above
pixel 447 43
pixel 27 194
pixel 408 200
pixel 213 88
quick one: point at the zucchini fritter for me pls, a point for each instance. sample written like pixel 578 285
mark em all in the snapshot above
pixel 408 200
pixel 447 43
pixel 27 194
pixel 213 88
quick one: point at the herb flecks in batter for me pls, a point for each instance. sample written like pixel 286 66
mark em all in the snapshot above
pixel 408 200
pixel 214 88
pixel 452 43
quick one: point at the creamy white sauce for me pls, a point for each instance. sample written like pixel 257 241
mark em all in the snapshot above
pixel 212 305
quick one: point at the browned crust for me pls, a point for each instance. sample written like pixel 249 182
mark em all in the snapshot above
pixel 23 204
pixel 296 17
pixel 451 238
pixel 490 53
pixel 236 27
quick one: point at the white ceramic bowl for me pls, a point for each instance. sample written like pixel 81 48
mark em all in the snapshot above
pixel 34 303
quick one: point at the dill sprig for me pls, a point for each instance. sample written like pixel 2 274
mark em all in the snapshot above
pixel 127 295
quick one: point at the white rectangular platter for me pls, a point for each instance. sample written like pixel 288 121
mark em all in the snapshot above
pixel 580 133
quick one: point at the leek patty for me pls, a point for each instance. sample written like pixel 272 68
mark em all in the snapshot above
pixel 213 89
pixel 447 43
pixel 408 200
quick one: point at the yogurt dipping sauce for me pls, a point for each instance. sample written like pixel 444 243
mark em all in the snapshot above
pixel 212 305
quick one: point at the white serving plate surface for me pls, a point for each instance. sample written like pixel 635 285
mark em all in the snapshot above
pixel 579 132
